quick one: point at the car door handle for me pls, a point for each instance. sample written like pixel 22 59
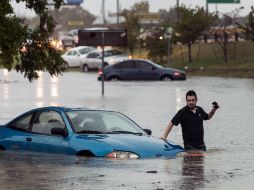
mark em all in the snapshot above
pixel 29 139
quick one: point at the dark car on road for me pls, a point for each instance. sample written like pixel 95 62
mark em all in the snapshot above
pixel 140 69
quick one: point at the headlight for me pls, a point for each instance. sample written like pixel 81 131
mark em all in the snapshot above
pixel 122 155
pixel 181 154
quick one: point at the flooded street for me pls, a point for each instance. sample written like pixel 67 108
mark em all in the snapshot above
pixel 228 164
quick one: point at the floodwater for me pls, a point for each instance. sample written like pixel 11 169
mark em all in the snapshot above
pixel 228 164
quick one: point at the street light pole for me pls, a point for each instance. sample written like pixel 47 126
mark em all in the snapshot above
pixel 168 35
pixel 102 67
pixel 169 49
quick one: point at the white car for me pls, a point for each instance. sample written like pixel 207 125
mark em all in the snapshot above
pixel 93 59
pixel 75 56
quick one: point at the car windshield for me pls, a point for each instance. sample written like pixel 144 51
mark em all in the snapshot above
pixel 97 122
pixel 156 65
pixel 112 52
pixel 85 50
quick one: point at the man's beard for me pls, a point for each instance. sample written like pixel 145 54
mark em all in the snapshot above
pixel 192 106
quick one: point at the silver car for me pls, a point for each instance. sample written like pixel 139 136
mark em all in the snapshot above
pixel 93 59
pixel 75 56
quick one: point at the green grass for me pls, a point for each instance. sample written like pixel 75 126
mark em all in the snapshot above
pixel 208 59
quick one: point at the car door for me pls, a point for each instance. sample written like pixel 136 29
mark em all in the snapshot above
pixel 73 58
pixel 126 70
pixel 145 70
pixel 93 60
pixel 41 140
pixel 15 133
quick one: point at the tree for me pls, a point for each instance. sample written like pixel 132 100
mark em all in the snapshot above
pixel 141 7
pixel 249 27
pixel 192 22
pixel 132 23
pixel 222 36
pixel 225 23
pixel 157 45
pixel 132 26
pixel 168 18
pixel 29 50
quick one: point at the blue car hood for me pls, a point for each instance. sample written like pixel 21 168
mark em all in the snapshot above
pixel 144 146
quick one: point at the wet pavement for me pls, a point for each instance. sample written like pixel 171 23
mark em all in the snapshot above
pixel 228 164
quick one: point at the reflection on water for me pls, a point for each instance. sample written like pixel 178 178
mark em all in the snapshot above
pixel 39 86
pixel 179 100
pixel 43 91
pixel 5 87
pixel 54 86
pixel 6 92
pixel 192 173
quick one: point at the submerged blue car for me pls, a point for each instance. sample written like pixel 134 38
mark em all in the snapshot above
pixel 83 132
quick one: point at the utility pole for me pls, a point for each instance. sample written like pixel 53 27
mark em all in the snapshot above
pixel 103 12
pixel 177 11
pixel 117 11
pixel 207 11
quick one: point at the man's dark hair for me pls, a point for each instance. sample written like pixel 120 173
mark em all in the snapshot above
pixel 191 93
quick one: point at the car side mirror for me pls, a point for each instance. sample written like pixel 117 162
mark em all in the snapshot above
pixel 152 67
pixel 59 131
pixel 148 131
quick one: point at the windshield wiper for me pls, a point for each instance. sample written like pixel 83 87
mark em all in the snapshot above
pixel 125 132
pixel 90 132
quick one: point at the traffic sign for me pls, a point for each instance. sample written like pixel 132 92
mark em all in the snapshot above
pixel 223 1
pixel 66 2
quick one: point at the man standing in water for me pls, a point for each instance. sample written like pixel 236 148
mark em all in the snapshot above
pixel 191 118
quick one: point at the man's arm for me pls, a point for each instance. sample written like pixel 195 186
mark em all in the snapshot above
pixel 210 115
pixel 167 130
pixel 212 112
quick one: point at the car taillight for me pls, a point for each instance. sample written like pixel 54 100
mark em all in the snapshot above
pixel 100 72
pixel 176 73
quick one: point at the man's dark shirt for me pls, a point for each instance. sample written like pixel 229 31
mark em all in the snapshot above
pixel 192 125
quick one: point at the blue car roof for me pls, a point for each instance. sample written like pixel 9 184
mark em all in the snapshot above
pixel 59 108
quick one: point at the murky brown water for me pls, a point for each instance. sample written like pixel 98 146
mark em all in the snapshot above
pixel 228 164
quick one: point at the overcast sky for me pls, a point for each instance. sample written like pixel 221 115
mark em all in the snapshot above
pixel 94 6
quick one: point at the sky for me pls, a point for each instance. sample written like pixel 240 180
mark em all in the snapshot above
pixel 94 6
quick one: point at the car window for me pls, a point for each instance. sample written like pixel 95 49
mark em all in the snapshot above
pixel 85 50
pixel 69 53
pixel 22 123
pixel 75 53
pixel 44 121
pixel 94 55
pixel 112 52
pixel 124 65
pixel 116 123
pixel 87 121
pixel 142 65
pixel 101 122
